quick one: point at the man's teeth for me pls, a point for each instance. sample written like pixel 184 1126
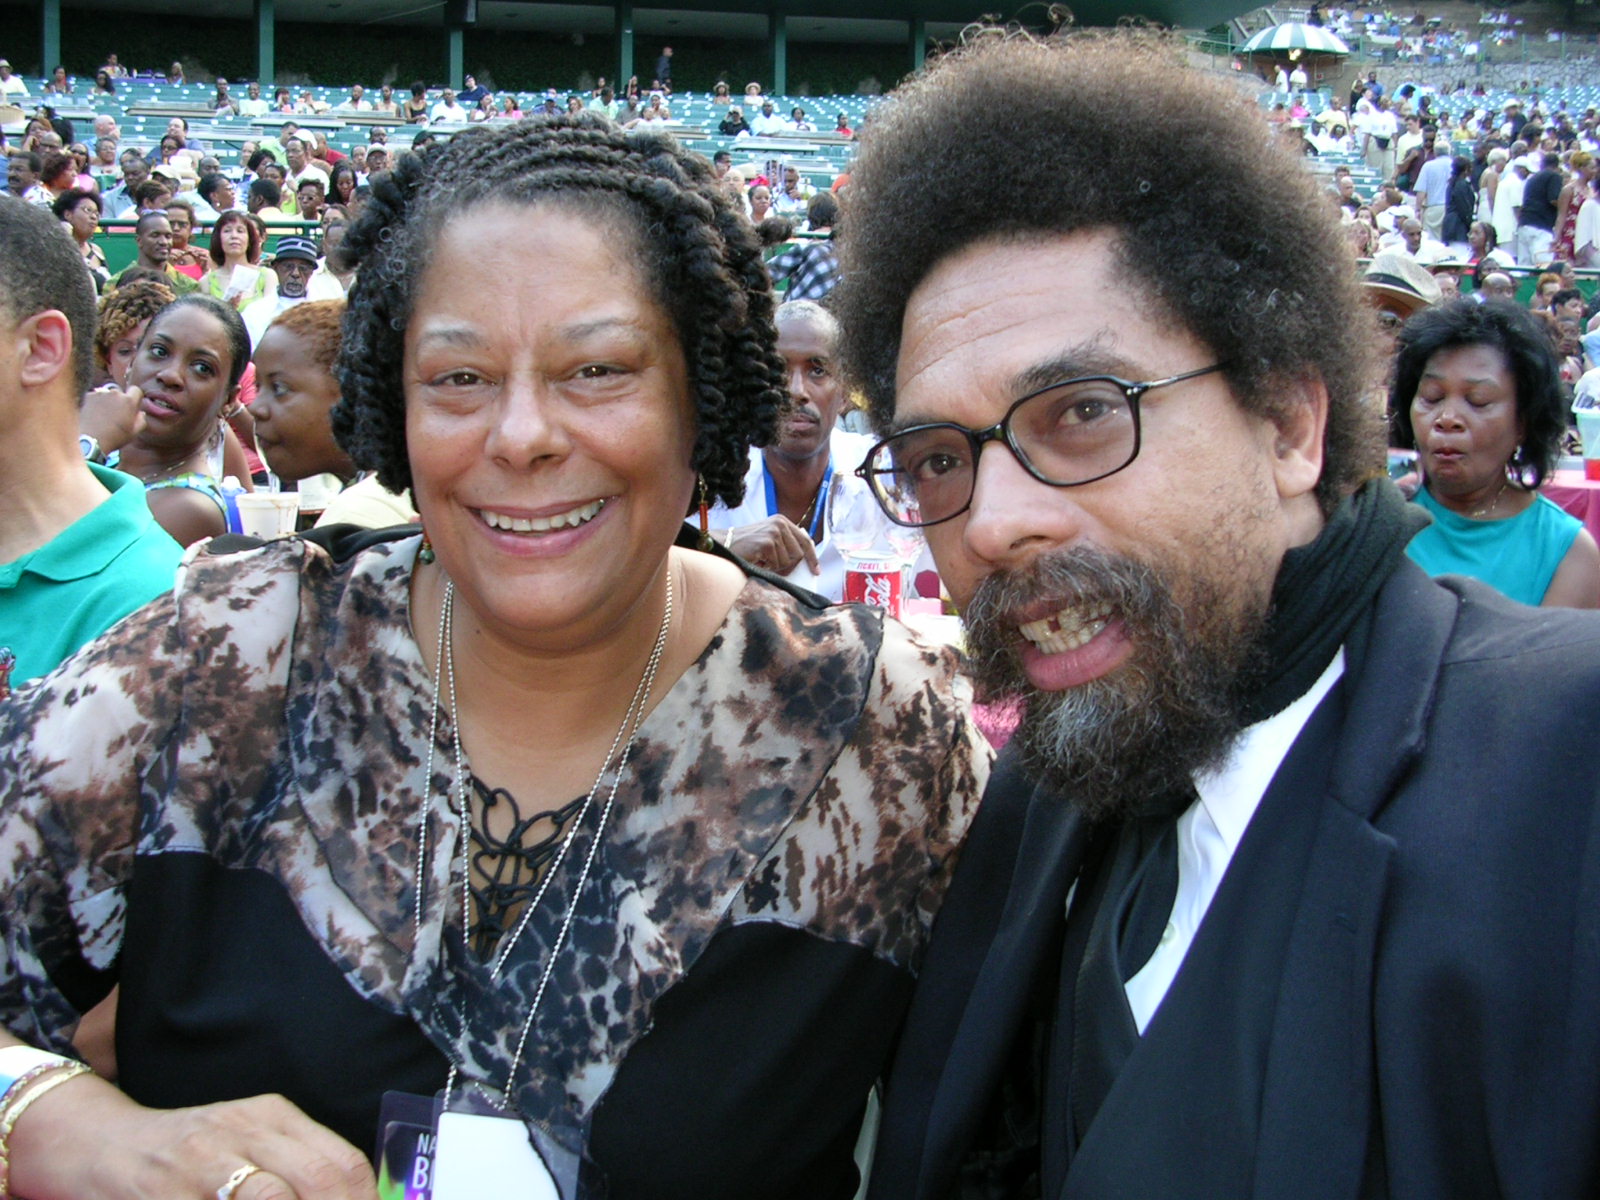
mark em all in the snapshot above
pixel 1066 630
pixel 567 520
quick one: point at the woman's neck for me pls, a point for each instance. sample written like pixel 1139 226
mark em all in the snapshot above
pixel 499 689
pixel 797 484
pixel 155 463
pixel 503 679
pixel 575 698
pixel 1495 501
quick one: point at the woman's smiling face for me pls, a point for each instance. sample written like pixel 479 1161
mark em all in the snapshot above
pixel 549 433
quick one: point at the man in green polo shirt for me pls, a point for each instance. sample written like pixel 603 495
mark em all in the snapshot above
pixel 153 235
pixel 79 549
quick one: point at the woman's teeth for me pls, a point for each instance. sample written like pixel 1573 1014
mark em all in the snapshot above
pixel 570 519
pixel 1066 630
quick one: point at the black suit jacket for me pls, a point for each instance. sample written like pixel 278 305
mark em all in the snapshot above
pixel 1425 1021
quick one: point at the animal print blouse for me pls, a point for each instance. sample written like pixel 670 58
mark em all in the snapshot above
pixel 216 806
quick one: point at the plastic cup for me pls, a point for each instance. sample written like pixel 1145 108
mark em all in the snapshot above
pixel 1589 431
pixel 316 491
pixel 268 514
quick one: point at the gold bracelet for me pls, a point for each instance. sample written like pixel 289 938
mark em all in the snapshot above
pixel 55 1076
pixel 20 1084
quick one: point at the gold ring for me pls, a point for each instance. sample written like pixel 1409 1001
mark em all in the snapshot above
pixel 236 1180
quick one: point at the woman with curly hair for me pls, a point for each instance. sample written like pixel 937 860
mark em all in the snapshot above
pixel 1477 394
pixel 556 807
pixel 124 314
pixel 58 174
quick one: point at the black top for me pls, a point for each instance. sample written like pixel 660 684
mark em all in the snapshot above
pixel 1539 196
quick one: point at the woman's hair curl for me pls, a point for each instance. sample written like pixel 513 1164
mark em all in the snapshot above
pixel 123 309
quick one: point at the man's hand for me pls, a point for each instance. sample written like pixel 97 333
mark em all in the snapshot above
pixel 775 544
pixel 111 416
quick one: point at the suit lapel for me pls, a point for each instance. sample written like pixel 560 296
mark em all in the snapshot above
pixel 1026 941
pixel 1392 662
pixel 1184 1116
pixel 1310 1057
pixel 1317 1098
pixel 1316 1112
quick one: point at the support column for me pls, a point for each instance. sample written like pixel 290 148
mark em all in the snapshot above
pixel 455 68
pixel 623 14
pixel 919 42
pixel 50 36
pixel 266 44
pixel 778 40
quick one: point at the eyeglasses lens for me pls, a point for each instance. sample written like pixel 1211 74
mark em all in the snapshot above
pixel 1079 431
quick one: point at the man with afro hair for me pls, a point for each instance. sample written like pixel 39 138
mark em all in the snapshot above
pixel 1288 883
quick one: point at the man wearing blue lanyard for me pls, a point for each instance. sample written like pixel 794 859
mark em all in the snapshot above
pixel 782 523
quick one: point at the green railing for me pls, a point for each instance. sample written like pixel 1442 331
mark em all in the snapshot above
pixel 121 250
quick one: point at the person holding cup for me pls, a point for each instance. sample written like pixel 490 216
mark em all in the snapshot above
pixel 781 524
pixel 1477 393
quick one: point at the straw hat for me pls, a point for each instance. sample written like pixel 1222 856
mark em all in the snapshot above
pixel 1396 280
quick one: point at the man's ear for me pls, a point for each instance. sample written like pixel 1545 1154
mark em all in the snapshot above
pixel 1300 420
pixel 47 347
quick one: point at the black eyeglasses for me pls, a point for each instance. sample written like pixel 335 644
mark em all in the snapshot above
pixel 1064 435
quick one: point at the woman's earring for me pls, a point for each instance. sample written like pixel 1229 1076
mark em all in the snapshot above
pixel 425 554
pixel 705 517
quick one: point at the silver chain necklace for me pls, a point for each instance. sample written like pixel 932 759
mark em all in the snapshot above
pixel 458 802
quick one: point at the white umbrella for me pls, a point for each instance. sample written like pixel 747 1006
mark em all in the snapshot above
pixel 1296 35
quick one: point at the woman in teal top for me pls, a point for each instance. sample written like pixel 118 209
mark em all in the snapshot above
pixel 1477 393
pixel 187 369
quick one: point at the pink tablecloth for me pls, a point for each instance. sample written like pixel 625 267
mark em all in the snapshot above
pixel 1579 495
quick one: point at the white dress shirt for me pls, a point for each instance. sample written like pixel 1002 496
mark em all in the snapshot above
pixel 1210 831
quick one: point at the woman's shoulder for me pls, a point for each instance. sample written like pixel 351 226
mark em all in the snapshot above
pixel 1553 517
pixel 904 686
pixel 807 625
pixel 275 582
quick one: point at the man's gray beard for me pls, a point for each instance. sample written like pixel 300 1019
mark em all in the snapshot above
pixel 1127 741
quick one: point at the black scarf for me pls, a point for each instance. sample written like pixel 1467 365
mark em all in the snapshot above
pixel 1325 585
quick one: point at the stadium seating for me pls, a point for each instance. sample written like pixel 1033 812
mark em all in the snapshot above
pixel 143 107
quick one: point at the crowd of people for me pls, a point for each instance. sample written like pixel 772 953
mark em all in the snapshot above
pixel 1416 38
pixel 297 176
pixel 544 796
pixel 1525 177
